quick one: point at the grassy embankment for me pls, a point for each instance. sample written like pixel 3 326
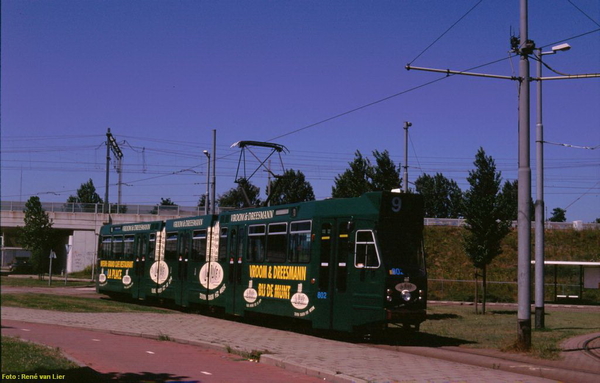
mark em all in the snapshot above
pixel 446 260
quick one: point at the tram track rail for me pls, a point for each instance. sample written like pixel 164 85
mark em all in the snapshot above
pixel 591 348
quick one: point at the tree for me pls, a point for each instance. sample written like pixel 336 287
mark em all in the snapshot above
pixel 202 201
pixel 362 177
pixel 443 198
pixel 355 181
pixel 37 235
pixel 86 194
pixel 243 195
pixel 558 215
pixel 166 203
pixel 291 187
pixel 485 216
pixel 384 175
pixel 510 199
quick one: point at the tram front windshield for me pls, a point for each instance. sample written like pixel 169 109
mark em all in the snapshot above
pixel 401 245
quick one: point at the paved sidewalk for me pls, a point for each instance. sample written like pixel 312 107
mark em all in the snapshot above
pixel 332 360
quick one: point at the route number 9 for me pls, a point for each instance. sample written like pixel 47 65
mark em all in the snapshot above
pixel 396 204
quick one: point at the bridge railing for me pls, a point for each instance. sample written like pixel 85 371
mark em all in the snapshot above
pixel 98 208
pixel 577 225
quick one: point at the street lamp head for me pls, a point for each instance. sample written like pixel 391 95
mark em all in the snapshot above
pixel 206 153
pixel 561 48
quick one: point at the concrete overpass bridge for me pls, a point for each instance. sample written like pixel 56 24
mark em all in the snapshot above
pixel 78 226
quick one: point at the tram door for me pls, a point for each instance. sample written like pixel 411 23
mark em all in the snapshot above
pixel 181 272
pixel 233 275
pixel 333 272
pixel 139 266
pixel 195 262
pixel 168 284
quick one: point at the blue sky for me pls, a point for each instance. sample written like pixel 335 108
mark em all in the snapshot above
pixel 162 74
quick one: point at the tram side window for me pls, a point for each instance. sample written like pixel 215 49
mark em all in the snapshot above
pixel 106 248
pixel 184 245
pixel 365 250
pixel 277 242
pixel 299 244
pixel 241 240
pixel 171 247
pixel 256 243
pixel 128 248
pixel 117 247
pixel 141 247
pixel 199 245
pixel 152 246
pixel 223 244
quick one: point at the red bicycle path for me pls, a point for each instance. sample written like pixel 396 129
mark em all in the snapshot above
pixel 136 359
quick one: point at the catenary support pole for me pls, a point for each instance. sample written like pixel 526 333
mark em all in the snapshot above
pixel 207 198
pixel 405 175
pixel 214 172
pixel 105 206
pixel 539 204
pixel 524 190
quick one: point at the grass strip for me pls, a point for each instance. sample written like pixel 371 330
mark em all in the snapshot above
pixel 461 326
pixel 21 357
pixel 73 304
pixel 34 281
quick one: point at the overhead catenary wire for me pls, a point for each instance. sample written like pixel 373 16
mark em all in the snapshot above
pixel 585 14
pixel 380 101
pixel 581 196
pixel 446 31
pixel 572 146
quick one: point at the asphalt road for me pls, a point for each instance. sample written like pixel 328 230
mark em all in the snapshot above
pixel 136 359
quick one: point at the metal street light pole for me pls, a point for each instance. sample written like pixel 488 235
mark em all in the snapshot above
pixel 539 203
pixel 207 199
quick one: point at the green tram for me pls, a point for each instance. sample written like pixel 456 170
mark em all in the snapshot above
pixel 126 255
pixel 340 264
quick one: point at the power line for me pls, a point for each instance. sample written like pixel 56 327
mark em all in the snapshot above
pixel 381 100
pixel 573 146
pixel 585 14
pixel 581 196
pixel 447 30
pixel 570 38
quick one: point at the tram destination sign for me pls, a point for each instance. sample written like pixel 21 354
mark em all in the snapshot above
pixel 188 223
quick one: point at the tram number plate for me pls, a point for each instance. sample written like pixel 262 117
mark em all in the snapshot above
pixel 322 295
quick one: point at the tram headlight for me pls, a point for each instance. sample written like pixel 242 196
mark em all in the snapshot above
pixel 389 295
pixel 406 295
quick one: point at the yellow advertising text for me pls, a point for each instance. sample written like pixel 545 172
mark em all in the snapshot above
pixel 117 264
pixel 285 273
pixel 114 274
pixel 270 290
